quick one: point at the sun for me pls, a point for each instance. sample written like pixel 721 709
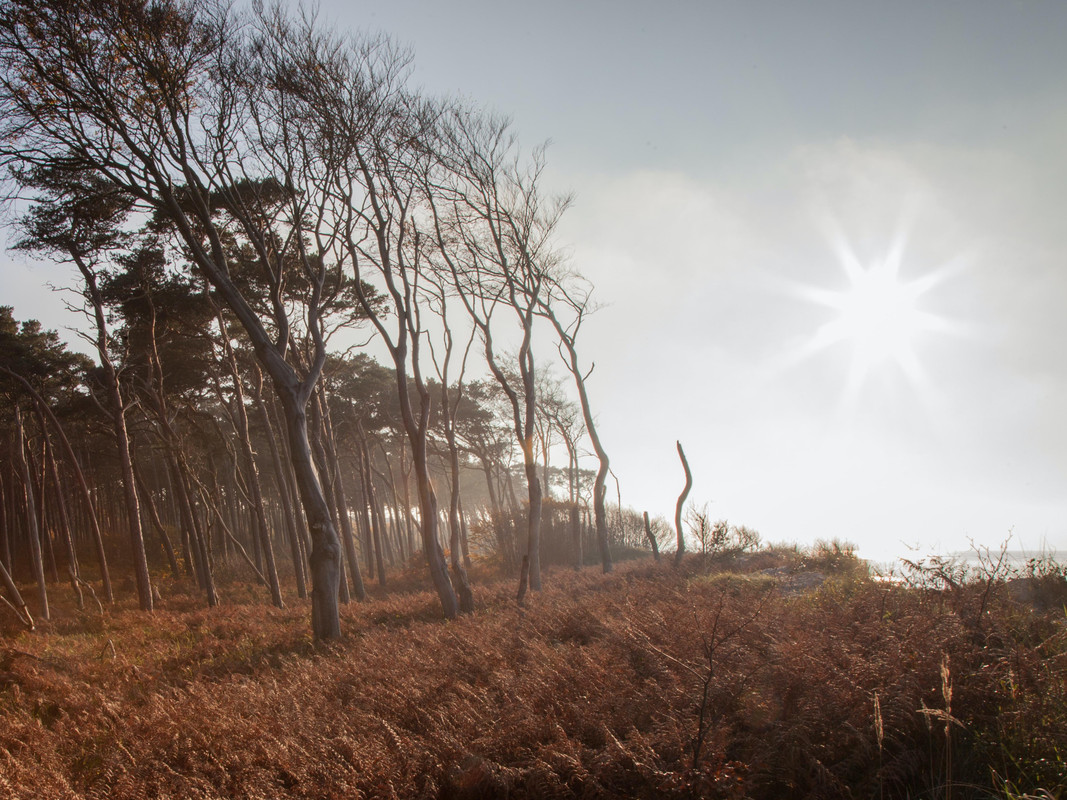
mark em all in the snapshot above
pixel 878 315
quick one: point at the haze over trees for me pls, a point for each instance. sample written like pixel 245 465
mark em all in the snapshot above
pixel 247 197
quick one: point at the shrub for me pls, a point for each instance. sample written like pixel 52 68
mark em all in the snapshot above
pixel 649 682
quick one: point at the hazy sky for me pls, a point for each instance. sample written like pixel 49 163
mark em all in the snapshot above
pixel 724 156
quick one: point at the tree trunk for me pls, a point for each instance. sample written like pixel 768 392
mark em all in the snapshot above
pixel 600 483
pixel 463 531
pixel 405 494
pixel 122 440
pixel 328 480
pixel 341 501
pixel 680 552
pixel 129 495
pixel 197 547
pixel 487 468
pixel 40 478
pixel 533 520
pixel 98 538
pixel 651 538
pixel 303 537
pixel 5 516
pixel 500 526
pixel 376 516
pixel 466 597
pixel 32 531
pixel 435 557
pixel 524 575
pixel 363 518
pixel 240 418
pixel 16 599
pixel 64 521
pixel 572 496
pixel 157 523
pixel 325 557
pixel 381 534
pixel 283 489
pixel 44 509
pixel 185 523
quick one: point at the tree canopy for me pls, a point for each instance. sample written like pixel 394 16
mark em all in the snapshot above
pixel 247 196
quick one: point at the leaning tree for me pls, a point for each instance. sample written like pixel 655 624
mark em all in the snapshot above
pixel 494 230
pixel 80 219
pixel 194 112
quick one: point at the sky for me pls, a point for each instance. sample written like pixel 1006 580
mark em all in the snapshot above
pixel 826 238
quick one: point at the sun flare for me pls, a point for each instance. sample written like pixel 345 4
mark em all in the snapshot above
pixel 877 314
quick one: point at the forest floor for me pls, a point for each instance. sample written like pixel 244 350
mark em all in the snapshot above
pixel 770 675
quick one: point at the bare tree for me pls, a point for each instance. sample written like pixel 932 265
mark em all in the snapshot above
pixel 451 399
pixel 680 552
pixel 575 299
pixel 494 232
pixel 374 197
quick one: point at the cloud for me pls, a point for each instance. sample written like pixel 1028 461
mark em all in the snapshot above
pixel 700 278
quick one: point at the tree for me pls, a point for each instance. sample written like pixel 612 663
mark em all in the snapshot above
pixel 451 401
pixel 576 299
pixel 565 418
pixel 358 392
pixel 81 221
pixel 371 196
pixel 39 365
pixel 494 232
pixel 16 603
pixel 277 183
pixel 651 536
pixel 33 530
pixel 486 436
pixel 201 117
pixel 239 418
pixel 166 348
pixel 679 553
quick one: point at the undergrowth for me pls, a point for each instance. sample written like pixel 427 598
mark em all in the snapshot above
pixel 766 675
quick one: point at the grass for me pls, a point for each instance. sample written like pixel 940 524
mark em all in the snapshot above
pixel 649 682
